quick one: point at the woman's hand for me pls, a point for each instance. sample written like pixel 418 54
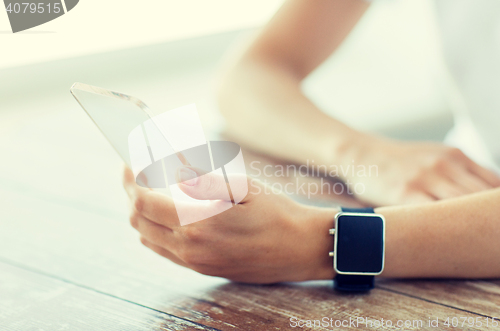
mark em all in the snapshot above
pixel 413 172
pixel 266 238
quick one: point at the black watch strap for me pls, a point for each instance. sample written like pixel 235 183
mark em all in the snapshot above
pixel 354 283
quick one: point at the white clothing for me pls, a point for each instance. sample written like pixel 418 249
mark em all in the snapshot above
pixel 470 33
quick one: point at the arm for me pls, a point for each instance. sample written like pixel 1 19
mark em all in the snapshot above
pixel 263 88
pixel 269 238
pixel 261 99
pixel 457 238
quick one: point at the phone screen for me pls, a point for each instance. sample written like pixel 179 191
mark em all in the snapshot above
pixel 116 115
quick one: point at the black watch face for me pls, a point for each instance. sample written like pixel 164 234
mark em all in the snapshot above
pixel 360 244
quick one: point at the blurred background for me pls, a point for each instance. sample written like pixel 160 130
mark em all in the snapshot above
pixel 153 48
pixel 167 53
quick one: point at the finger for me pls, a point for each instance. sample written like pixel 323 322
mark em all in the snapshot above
pixel 152 205
pixel 211 186
pixel 156 207
pixel 442 188
pixel 488 176
pixel 155 233
pixel 470 182
pixel 129 183
pixel 163 252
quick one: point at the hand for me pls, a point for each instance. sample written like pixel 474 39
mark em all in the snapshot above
pixel 414 172
pixel 266 238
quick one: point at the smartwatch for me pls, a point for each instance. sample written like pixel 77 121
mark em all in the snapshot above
pixel 359 248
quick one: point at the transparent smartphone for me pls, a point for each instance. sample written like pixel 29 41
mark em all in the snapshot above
pixel 116 115
pixel 156 147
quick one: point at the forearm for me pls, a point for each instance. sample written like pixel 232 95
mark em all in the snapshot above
pixel 455 238
pixel 266 110
pixel 261 96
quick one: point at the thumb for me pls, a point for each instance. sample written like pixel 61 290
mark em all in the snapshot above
pixel 211 186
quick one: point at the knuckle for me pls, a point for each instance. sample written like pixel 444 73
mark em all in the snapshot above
pixel 192 234
pixel 415 182
pixel 417 177
pixel 139 202
pixel 410 191
pixel 409 187
pixel 455 153
pixel 440 164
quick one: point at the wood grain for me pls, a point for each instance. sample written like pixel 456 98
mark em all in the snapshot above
pixel 479 296
pixel 30 301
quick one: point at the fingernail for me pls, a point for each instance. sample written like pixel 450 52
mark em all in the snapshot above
pixel 188 177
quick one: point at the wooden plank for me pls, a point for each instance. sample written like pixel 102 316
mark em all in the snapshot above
pixel 30 301
pixel 481 296
pixel 61 157
pixel 99 253
pixel 279 307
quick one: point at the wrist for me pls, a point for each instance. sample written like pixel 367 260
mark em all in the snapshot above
pixel 318 242
pixel 344 144
pixel 360 149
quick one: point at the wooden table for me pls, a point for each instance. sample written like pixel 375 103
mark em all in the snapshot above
pixel 70 261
